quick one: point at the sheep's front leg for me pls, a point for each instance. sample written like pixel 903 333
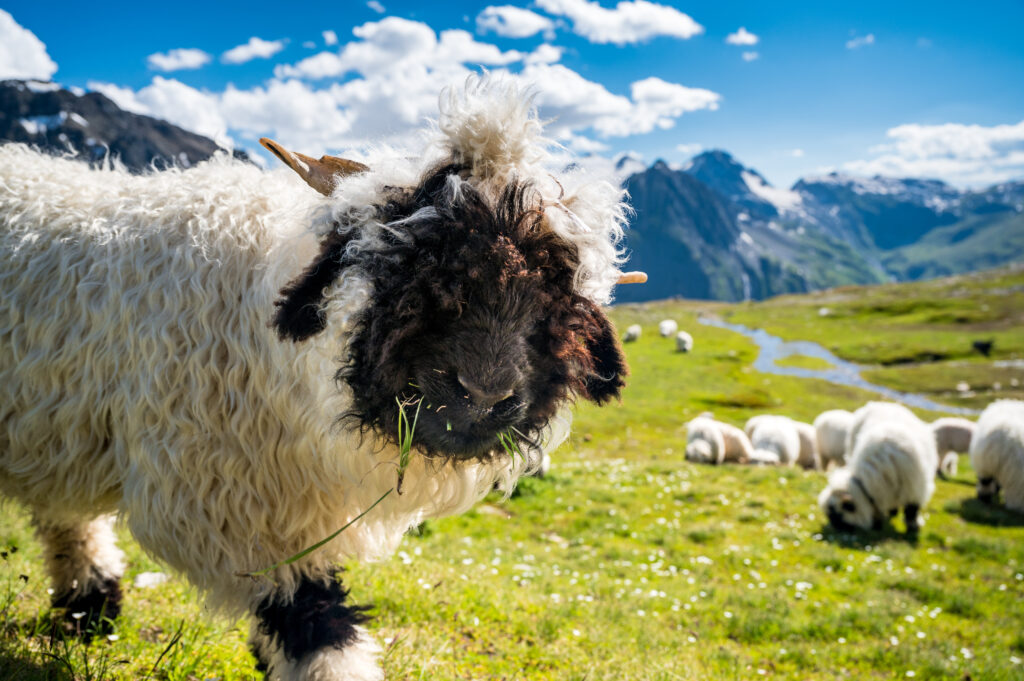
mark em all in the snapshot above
pixel 85 568
pixel 312 635
pixel 913 520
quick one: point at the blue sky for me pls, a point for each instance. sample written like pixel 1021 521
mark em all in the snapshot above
pixel 901 88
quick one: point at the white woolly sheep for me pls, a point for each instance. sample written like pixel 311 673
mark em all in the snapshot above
pixel 997 453
pixel 807 457
pixel 145 370
pixel 633 332
pixel 831 428
pixel 891 466
pixel 774 437
pixel 667 327
pixel 952 437
pixel 715 442
pixel 684 342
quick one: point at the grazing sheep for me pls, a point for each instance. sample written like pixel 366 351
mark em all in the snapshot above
pixel 222 357
pixel 774 435
pixel 684 342
pixel 891 467
pixel 715 442
pixel 831 428
pixel 807 457
pixel 952 437
pixel 667 327
pixel 633 332
pixel 997 453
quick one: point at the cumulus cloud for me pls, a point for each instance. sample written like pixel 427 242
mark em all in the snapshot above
pixel 256 48
pixel 177 60
pixel 330 37
pixel 742 37
pixel 22 54
pixel 544 54
pixel 751 56
pixel 966 155
pixel 860 41
pixel 513 22
pixel 631 21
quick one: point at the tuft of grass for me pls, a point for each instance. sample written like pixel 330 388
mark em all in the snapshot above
pixel 406 432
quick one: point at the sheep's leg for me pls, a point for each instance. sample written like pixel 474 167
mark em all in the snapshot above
pixel 313 636
pixel 913 521
pixel 85 568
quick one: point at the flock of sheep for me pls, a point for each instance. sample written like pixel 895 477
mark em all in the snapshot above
pixel 668 327
pixel 884 458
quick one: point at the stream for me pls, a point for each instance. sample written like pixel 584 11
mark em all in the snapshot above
pixel 772 348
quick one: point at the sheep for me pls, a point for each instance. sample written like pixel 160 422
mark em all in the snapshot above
pixel 667 327
pixel 952 437
pixel 774 438
pixel 891 466
pixel 997 453
pixel 633 332
pixel 715 442
pixel 684 342
pixel 807 456
pixel 222 356
pixel 831 428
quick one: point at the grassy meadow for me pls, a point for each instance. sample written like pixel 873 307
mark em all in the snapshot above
pixel 627 562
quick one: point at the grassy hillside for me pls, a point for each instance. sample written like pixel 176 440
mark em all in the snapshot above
pixel 629 563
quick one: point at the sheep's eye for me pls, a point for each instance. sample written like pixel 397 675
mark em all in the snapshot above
pixel 848 506
pixel 985 481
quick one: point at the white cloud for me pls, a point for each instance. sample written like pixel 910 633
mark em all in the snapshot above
pixel 330 37
pixel 176 60
pixel 742 37
pixel 691 149
pixel 796 153
pixel 513 22
pixel 544 54
pixel 860 41
pixel 751 56
pixel 631 21
pixel 22 54
pixel 376 6
pixel 256 48
pixel 966 155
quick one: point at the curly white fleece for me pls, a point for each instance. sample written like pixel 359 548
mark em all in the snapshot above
pixel 138 374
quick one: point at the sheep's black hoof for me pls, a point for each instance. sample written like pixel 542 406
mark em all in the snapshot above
pixel 93 612
pixel 910 514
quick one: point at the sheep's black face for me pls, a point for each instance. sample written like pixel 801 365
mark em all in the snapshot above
pixel 473 327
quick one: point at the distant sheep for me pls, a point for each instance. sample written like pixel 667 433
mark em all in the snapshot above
pixel 831 429
pixel 808 457
pixel 774 435
pixel 997 453
pixel 715 442
pixel 667 327
pixel 223 356
pixel 684 342
pixel 633 332
pixel 891 467
pixel 952 437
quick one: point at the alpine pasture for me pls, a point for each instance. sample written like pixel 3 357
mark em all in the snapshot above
pixel 627 562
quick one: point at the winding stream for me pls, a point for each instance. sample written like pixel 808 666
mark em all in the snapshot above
pixel 772 348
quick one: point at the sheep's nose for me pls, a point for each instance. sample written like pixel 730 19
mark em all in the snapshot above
pixel 485 397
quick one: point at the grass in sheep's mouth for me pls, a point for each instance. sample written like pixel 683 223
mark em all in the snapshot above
pixel 406 431
pixel 510 443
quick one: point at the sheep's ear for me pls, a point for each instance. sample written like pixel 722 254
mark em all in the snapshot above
pixel 300 312
pixel 318 174
pixel 609 363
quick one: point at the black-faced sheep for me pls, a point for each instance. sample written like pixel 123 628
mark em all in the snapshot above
pixel 715 442
pixel 633 332
pixel 952 437
pixel 807 456
pixel 684 342
pixel 775 439
pixel 221 356
pixel 667 327
pixel 997 453
pixel 831 428
pixel 891 466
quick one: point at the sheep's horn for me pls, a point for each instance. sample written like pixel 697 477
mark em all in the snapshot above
pixel 633 278
pixel 318 174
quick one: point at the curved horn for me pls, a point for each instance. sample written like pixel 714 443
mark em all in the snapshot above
pixel 633 278
pixel 318 174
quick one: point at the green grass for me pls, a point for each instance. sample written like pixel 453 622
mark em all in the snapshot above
pixel 628 562
pixel 803 362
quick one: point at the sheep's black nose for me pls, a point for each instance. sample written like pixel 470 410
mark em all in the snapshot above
pixel 485 397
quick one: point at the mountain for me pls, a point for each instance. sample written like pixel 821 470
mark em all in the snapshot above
pixel 91 126
pixel 716 229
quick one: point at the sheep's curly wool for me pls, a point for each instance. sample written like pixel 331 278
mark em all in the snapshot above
pixel 832 428
pixel 997 452
pixel 139 374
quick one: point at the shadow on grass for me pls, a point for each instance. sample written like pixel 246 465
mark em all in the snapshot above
pixel 864 539
pixel 24 665
pixel 974 511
